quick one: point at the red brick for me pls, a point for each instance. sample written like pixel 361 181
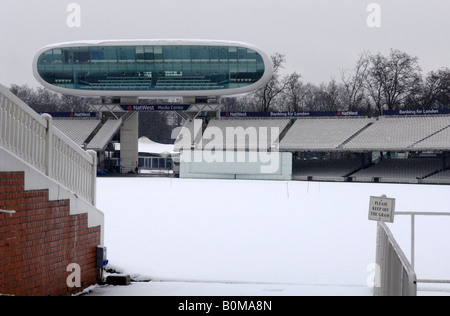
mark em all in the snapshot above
pixel 40 240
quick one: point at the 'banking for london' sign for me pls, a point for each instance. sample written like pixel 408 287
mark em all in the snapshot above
pixel 417 112
pixel 292 114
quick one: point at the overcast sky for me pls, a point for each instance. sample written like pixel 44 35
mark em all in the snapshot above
pixel 318 37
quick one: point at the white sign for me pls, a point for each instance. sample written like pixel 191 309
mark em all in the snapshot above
pixel 381 209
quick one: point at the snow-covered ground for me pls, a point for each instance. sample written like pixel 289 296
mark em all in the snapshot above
pixel 253 238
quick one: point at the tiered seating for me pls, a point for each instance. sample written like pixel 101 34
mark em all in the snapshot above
pixel 442 177
pixel 254 135
pixel 321 134
pixel 186 83
pixel 397 133
pixel 325 170
pixel 105 134
pixel 400 170
pixel 119 83
pixel 438 141
pixel 77 130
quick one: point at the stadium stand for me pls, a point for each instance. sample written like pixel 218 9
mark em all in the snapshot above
pixel 395 149
pixel 322 134
pixel 339 148
pixel 399 170
pixel 397 133
pixel 77 130
pixel 104 135
pixel 91 133
pixel 437 141
pixel 442 177
pixel 325 169
pixel 245 134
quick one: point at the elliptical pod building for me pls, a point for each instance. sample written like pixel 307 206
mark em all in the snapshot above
pixel 152 68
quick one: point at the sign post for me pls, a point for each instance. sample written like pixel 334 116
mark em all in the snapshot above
pixel 382 209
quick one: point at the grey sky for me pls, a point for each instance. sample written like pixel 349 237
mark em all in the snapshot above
pixel 318 37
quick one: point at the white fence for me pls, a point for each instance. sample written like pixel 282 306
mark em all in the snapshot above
pixel 413 216
pixel 33 139
pixel 395 276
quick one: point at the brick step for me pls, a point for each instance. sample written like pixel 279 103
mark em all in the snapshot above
pixel 40 240
pixel 24 197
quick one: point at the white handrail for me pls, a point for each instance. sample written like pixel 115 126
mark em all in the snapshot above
pixel 413 237
pixel 7 212
pixel 35 140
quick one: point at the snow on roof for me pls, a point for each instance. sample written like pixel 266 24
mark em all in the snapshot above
pixel 146 145
pixel 116 42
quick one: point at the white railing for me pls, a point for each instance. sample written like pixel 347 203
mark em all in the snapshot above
pixel 35 140
pixel 22 131
pixel 413 242
pixel 394 275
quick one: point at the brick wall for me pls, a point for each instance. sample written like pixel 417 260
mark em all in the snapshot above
pixel 39 242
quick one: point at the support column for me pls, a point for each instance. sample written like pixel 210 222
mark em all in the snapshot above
pixel 129 135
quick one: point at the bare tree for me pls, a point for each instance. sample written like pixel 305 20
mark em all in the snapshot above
pixel 44 100
pixel 402 77
pixel 374 82
pixel 436 89
pixel 155 125
pixel 311 99
pixel 329 97
pixel 294 93
pixel 40 100
pixel 391 80
pixel 234 104
pixel 266 96
pixel 77 104
pixel 354 84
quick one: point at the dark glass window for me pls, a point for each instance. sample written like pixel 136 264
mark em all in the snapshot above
pixel 81 55
pixel 140 54
pixel 97 55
